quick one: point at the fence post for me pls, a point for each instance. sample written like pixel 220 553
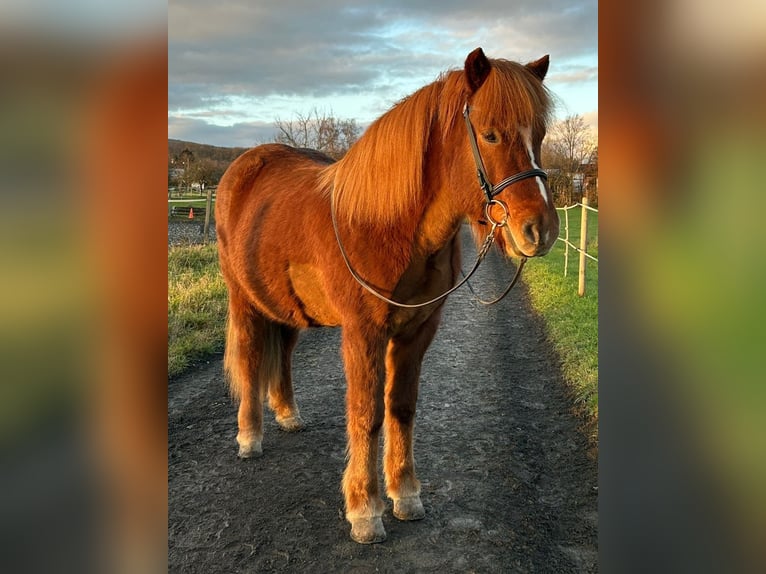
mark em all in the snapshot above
pixel 583 245
pixel 208 206
pixel 566 240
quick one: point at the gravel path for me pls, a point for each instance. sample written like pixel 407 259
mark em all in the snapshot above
pixel 506 480
pixel 187 232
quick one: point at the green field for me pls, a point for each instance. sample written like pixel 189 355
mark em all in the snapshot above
pixel 189 201
pixel 572 321
pixel 197 302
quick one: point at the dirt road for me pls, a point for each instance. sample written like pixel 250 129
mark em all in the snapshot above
pixel 506 481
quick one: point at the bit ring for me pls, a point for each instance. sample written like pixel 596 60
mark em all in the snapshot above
pixel 488 212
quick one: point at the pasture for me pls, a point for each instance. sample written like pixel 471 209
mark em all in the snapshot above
pixel 572 321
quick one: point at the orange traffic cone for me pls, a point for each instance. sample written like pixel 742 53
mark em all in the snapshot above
pixel 191 213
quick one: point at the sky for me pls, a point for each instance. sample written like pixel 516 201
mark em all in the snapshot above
pixel 236 66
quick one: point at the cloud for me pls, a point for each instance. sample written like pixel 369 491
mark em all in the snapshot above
pixel 575 75
pixel 258 49
pixel 591 120
pixel 249 54
pixel 243 134
pixel 299 47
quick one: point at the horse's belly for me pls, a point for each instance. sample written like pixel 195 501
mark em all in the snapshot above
pixel 307 286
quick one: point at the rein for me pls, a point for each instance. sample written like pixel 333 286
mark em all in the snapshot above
pixel 490 191
pixel 480 257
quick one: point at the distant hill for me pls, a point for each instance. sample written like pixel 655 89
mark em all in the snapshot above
pixel 218 158
pixel 204 151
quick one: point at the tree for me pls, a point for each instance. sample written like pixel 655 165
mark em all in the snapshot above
pixel 568 153
pixel 202 172
pixel 590 178
pixel 186 159
pixel 204 163
pixel 318 130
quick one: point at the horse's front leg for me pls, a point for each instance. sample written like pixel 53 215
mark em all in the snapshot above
pixel 403 362
pixel 364 360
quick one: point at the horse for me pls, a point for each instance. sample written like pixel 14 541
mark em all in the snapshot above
pixel 369 243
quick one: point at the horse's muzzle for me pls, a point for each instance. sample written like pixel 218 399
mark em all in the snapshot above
pixel 533 237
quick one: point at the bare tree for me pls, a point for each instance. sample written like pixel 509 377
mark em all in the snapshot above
pixel 201 172
pixel 318 130
pixel 568 152
pixel 186 159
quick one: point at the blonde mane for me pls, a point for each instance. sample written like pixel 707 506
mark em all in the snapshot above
pixel 381 176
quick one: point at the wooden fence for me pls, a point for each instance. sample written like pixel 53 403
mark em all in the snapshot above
pixel 583 241
pixel 206 211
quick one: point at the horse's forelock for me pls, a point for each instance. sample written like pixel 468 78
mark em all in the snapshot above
pixel 513 95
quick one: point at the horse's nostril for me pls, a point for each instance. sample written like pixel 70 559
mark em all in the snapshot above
pixel 531 231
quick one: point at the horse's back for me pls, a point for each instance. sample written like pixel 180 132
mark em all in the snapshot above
pixel 262 171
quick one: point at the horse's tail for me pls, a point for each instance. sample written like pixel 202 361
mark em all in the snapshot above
pixel 253 351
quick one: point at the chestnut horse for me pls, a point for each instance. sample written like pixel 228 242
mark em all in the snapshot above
pixel 290 220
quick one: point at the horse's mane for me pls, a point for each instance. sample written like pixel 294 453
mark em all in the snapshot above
pixel 381 176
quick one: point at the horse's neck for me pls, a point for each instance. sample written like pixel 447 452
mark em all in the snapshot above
pixel 438 225
pixel 446 206
pixel 430 226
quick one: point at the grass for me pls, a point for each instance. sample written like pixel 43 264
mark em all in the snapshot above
pixel 572 321
pixel 194 202
pixel 197 303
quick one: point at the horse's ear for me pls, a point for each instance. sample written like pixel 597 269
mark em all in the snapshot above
pixel 539 67
pixel 477 69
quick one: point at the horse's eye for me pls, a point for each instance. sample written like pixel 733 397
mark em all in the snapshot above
pixel 490 136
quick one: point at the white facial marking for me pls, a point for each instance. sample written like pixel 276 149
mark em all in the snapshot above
pixel 526 134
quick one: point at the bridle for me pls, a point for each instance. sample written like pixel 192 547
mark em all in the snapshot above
pixel 490 192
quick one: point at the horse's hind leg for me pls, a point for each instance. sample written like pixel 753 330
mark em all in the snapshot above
pixel 403 361
pixel 252 359
pixel 281 398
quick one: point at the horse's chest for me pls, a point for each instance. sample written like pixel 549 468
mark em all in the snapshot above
pixel 423 281
pixel 409 321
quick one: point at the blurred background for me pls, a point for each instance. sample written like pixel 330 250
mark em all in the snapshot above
pixel 83 130
pixel 683 322
pixel 82 296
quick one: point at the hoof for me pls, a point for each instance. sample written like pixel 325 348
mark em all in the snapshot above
pixel 249 452
pixel 368 530
pixel 249 448
pixel 291 424
pixel 409 508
